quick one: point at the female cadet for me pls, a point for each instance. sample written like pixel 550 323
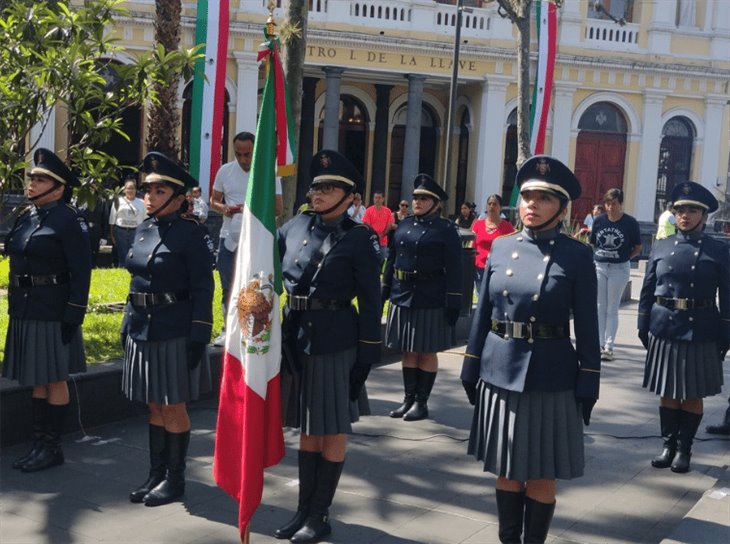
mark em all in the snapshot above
pixel 422 279
pixel 327 259
pixel 167 323
pixel 529 385
pixel 50 272
pixel 685 333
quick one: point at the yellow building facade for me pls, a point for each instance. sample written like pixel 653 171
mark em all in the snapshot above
pixel 640 105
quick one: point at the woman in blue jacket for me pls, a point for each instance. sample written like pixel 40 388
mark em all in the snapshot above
pixel 680 324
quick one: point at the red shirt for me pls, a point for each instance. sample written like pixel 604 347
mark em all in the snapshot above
pixel 484 238
pixel 378 220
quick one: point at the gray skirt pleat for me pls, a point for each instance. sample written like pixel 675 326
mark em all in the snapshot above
pixel 422 330
pixel 157 372
pixel 682 370
pixel 527 436
pixel 325 394
pixel 35 354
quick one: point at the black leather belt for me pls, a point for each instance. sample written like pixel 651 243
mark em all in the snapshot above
pixel 515 329
pixel 403 275
pixel 26 280
pixel 143 300
pixel 684 303
pixel 125 228
pixel 301 303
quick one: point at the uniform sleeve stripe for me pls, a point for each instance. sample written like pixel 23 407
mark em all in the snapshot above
pixel 590 370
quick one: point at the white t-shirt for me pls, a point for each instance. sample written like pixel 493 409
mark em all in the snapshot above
pixel 127 214
pixel 356 216
pixel 232 181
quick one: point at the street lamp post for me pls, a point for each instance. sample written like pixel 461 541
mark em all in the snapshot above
pixel 452 90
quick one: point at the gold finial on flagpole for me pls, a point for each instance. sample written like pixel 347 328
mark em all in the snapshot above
pixel 270 24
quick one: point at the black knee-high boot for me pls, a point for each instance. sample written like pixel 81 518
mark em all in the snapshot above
pixel 688 425
pixel 308 465
pixel 39 414
pixel 410 380
pixel 173 486
pixel 538 517
pixel 51 454
pixel 158 463
pixel 669 423
pixel 511 509
pixel 317 524
pixel 419 410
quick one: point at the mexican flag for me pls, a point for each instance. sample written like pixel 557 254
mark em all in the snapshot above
pixel 206 129
pixel 249 437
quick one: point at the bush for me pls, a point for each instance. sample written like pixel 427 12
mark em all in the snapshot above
pixel 109 288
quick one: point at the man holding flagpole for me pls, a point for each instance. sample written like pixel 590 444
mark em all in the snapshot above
pixel 327 260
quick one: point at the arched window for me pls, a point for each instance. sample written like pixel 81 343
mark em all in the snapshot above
pixel 675 159
pixel 603 117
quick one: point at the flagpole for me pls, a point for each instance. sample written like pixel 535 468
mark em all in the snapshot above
pixel 246 537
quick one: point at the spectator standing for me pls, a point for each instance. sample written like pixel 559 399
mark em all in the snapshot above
pixel 422 280
pixel 666 224
pixel 466 216
pixel 402 212
pixel 228 198
pixel 597 210
pixel 48 289
pixel 167 324
pixel 532 390
pixel 379 218
pixel 616 240
pixel 126 214
pixel 357 209
pixel 198 208
pixel 485 232
pixel 685 333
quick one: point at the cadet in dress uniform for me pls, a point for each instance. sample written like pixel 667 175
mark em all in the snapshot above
pixel 50 272
pixel 530 386
pixel 327 260
pixel 422 280
pixel 685 333
pixel 167 323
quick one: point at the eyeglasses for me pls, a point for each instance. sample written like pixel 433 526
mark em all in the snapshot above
pixel 323 188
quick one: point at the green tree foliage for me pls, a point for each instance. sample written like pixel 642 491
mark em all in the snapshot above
pixel 60 54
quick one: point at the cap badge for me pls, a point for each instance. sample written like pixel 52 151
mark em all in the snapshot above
pixel 325 161
pixel 40 157
pixel 542 167
pixel 154 163
pixel 686 189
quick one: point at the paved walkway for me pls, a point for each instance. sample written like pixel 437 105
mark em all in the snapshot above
pixel 403 482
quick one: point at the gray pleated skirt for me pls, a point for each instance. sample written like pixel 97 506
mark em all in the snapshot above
pixel 157 372
pixel 682 370
pixel 324 394
pixel 422 330
pixel 527 436
pixel 35 354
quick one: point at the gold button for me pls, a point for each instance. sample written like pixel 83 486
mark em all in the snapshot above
pixel 141 238
pixel 692 267
pixel 552 242
pixel 691 318
pixel 697 253
pixel 546 258
pixel 304 242
pixel 672 253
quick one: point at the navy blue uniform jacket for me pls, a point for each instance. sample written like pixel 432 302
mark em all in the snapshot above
pixel 545 280
pixel 429 246
pixel 687 266
pixel 349 270
pixel 50 240
pixel 170 255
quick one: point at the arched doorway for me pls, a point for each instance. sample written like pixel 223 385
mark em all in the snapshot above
pixel 426 153
pixel 353 135
pixel 675 159
pixel 509 168
pixel 186 123
pixel 600 155
pixel 462 165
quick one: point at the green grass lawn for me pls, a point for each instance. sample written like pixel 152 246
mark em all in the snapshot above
pixel 102 324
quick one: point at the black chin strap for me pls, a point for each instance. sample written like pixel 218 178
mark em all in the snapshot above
pixel 435 203
pixel 56 185
pixel 333 208
pixel 563 205
pixel 160 208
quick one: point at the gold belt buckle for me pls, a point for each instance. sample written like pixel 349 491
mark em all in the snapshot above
pixel 681 303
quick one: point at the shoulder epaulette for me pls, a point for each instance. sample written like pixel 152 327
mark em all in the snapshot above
pixel 190 218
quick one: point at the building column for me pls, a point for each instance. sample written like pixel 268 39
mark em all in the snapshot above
pixel 306 139
pixel 412 143
pixel 662 25
pixel 47 138
pixel 651 139
pixel 380 144
pixel 562 117
pixel 490 159
pixel 331 129
pixel 247 93
pixel 712 141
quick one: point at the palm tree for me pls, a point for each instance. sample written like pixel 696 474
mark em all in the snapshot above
pixel 163 117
